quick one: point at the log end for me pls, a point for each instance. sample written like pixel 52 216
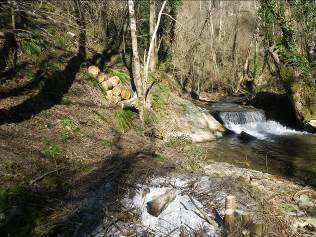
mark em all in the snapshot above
pixel 93 71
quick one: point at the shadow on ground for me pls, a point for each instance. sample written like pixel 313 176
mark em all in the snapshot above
pixel 54 88
pixel 97 196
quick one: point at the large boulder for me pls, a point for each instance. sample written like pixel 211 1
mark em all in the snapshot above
pixel 183 118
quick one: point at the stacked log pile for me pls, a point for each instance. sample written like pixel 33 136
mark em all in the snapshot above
pixel 115 90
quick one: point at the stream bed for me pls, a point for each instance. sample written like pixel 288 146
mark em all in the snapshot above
pixel 258 143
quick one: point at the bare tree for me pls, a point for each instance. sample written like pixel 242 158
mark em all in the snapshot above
pixel 141 84
pixel 152 18
pixel 136 62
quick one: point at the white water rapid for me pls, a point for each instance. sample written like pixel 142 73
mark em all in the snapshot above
pixel 254 123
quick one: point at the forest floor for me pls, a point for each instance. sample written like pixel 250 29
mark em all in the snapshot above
pixel 66 163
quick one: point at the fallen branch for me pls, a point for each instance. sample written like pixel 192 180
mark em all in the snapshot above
pixel 44 175
pixel 160 203
pixel 206 217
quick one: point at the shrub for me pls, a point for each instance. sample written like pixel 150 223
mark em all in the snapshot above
pixel 160 158
pixel 30 48
pixel 106 143
pixel 52 150
pixel 123 120
pixel 65 101
pixel 123 76
pixel 159 98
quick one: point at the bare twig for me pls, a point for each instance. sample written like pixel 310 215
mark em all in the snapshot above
pixel 44 175
pixel 206 217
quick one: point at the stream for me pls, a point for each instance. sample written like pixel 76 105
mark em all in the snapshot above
pixel 259 143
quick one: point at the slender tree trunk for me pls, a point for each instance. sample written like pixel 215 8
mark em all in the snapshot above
pixel 82 29
pixel 152 18
pixel 13 4
pixel 220 21
pixel 136 64
pixel 151 46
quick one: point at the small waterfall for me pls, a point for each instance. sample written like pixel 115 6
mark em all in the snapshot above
pixel 243 117
pixel 254 122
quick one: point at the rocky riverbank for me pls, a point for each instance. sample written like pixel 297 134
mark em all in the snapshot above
pixel 198 204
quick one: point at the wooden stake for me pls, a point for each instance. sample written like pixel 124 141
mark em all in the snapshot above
pixel 229 222
pixel 230 203
pixel 245 219
pixel 256 230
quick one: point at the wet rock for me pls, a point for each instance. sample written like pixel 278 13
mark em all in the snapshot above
pixel 308 223
pixel 245 137
pixel 313 123
pixel 184 119
pixel 305 202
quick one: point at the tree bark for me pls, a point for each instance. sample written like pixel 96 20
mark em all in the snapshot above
pixel 152 18
pixel 151 46
pixel 136 63
pixel 13 4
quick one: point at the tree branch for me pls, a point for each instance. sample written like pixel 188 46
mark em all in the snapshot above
pixel 152 43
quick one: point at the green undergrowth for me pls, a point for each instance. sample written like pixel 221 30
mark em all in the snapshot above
pixel 123 76
pixel 123 120
pixel 160 158
pixel 52 150
pixel 65 101
pixel 106 143
pixel 179 141
pixel 68 129
pixel 159 97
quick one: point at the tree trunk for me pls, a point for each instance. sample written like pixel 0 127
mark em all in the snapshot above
pixel 148 59
pixel 290 79
pixel 152 18
pixel 13 4
pixel 295 76
pixel 220 21
pixel 136 64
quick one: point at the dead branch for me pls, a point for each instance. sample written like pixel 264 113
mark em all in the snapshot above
pixel 44 175
pixel 207 218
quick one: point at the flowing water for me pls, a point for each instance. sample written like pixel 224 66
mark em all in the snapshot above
pixel 263 144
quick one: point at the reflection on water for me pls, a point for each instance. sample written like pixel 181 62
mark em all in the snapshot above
pixel 291 156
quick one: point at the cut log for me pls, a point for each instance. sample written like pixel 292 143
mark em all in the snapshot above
pixel 117 91
pixel 115 81
pixel 230 203
pixel 126 94
pixel 229 222
pixel 109 94
pixel 160 203
pixel 93 71
pixel 101 77
pixel 115 99
pixel 107 85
